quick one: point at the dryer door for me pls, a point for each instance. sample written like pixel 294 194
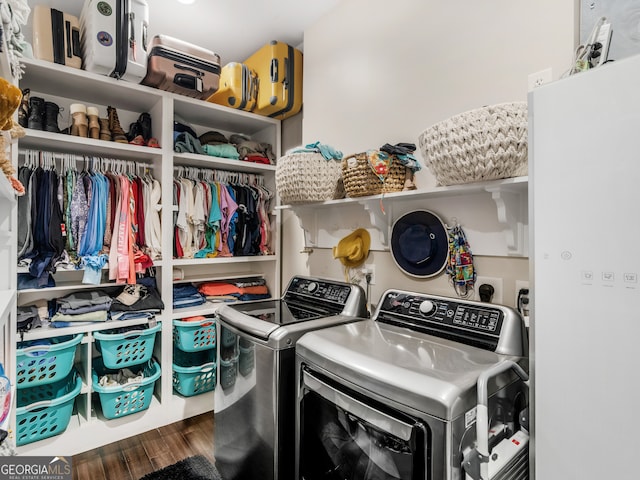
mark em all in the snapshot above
pixel 342 436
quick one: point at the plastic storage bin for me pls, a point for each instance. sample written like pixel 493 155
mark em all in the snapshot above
pixel 45 361
pixel 194 373
pixel 120 400
pixel 121 350
pixel 45 411
pixel 194 335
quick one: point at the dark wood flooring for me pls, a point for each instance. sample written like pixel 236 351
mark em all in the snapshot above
pixel 134 457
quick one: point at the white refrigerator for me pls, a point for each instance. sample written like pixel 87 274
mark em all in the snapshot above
pixel 584 209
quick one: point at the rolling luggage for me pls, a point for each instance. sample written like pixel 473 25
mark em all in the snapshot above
pixel 180 67
pixel 113 35
pixel 279 69
pixel 238 87
pixel 56 36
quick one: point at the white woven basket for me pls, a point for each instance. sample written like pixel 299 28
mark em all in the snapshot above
pixel 484 144
pixel 308 177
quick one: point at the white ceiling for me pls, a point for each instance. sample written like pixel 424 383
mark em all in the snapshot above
pixel 232 28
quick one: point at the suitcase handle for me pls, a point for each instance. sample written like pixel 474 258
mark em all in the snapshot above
pixel 197 73
pixel 274 70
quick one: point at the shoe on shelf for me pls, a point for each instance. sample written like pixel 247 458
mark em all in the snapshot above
pixel 23 110
pixel 51 112
pixel 105 133
pixel 36 113
pixel 117 133
pixel 94 124
pixel 79 120
pixel 145 125
pixel 153 142
pixel 135 130
pixel 137 140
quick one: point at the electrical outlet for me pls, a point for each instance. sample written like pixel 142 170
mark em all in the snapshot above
pixel 519 303
pixel 539 78
pixel 370 269
pixel 496 283
pixel 520 284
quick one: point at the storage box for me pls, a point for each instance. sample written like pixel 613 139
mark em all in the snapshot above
pixel 121 350
pixel 45 410
pixel 40 362
pixel 121 400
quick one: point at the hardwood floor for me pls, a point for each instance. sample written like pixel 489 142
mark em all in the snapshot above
pixel 134 457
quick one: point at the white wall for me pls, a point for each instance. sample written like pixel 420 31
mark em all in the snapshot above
pixel 378 72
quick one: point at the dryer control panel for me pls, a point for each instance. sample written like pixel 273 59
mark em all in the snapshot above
pixel 487 326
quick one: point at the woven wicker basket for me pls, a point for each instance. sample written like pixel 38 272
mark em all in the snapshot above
pixel 483 144
pixel 360 180
pixel 308 177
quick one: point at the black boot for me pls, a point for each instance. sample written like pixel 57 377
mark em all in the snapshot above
pixel 145 125
pixel 36 113
pixel 51 111
pixel 134 130
pixel 23 110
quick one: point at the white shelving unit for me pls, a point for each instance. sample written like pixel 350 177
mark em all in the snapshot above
pixel 506 200
pixel 64 86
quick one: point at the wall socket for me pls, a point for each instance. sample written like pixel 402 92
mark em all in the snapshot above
pixel 539 78
pixel 520 284
pixel 496 283
pixel 369 269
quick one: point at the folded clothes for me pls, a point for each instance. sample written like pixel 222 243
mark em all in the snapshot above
pixel 83 299
pixel 222 151
pixel 100 316
pixel 232 288
pixel 28 318
pixel 184 290
pixel 152 301
pixel 134 315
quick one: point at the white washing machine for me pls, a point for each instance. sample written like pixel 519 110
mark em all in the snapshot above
pixel 400 396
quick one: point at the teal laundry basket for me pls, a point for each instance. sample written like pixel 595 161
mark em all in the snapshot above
pixel 194 335
pixel 45 410
pixel 45 361
pixel 128 348
pixel 121 400
pixel 194 372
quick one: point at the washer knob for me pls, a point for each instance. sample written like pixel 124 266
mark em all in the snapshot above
pixel 312 287
pixel 427 307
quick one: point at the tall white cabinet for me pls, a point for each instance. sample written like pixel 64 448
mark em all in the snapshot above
pixel 62 85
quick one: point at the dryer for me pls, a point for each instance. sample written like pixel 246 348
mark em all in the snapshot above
pixel 400 395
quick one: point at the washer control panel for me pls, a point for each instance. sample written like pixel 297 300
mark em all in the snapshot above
pixel 300 287
pixel 475 323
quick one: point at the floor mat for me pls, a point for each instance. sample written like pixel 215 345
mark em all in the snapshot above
pixel 192 468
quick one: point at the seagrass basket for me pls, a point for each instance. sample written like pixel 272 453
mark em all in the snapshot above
pixel 487 143
pixel 305 177
pixel 360 180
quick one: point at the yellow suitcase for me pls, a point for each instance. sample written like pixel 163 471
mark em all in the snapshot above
pixel 238 87
pixel 279 69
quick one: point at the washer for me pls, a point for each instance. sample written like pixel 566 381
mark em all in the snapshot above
pixel 254 422
pixel 397 396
